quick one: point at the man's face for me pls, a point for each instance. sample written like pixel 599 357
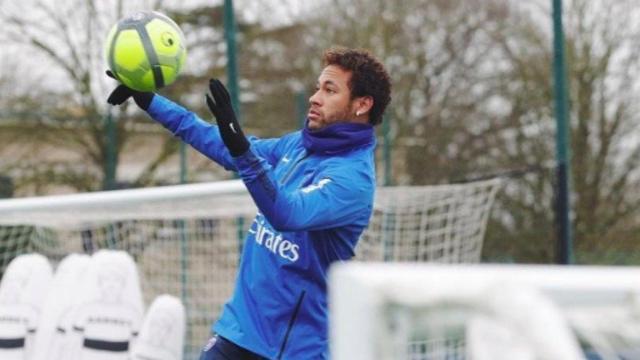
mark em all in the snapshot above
pixel 332 100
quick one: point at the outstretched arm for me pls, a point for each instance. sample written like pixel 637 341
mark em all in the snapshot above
pixel 186 125
pixel 339 196
pixel 201 135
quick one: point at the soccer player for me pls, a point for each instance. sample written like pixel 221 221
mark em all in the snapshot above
pixel 314 190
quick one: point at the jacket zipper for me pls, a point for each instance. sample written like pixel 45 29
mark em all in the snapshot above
pixel 291 322
pixel 293 167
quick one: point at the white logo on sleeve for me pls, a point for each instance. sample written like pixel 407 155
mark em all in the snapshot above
pixel 317 186
pixel 285 159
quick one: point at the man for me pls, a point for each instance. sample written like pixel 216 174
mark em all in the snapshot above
pixel 314 190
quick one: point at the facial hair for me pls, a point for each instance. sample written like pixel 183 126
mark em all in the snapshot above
pixel 344 115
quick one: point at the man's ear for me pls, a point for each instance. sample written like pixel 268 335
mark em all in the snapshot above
pixel 363 104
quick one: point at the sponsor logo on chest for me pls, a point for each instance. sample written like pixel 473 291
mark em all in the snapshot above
pixel 273 241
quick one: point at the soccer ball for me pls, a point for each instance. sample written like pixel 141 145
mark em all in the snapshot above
pixel 145 51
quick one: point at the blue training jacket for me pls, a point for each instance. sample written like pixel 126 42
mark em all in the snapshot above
pixel 314 204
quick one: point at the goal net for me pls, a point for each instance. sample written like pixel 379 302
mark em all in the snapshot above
pixel 186 239
pixel 444 223
pixel 482 312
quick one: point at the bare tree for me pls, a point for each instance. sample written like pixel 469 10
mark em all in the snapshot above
pixel 602 47
pixel 440 59
pixel 65 42
pixel 61 44
pixel 473 95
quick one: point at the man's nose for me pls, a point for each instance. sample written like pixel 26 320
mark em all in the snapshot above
pixel 314 99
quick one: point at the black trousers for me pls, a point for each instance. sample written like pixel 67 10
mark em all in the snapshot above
pixel 220 348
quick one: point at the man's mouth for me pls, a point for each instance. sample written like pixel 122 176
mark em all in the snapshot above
pixel 313 115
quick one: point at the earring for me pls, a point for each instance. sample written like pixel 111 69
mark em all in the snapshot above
pixel 357 113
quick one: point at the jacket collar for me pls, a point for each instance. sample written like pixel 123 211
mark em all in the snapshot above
pixel 337 138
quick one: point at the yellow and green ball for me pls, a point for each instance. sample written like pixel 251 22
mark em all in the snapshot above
pixel 145 51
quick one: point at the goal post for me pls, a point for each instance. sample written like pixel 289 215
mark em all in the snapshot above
pixel 429 311
pixel 124 204
pixel 186 239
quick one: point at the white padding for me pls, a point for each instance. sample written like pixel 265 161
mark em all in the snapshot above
pixel 105 319
pixel 22 292
pixel 162 334
pixel 65 287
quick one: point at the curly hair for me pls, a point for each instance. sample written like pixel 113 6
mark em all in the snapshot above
pixel 368 77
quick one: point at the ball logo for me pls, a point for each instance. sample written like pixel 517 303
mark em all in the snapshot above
pixel 274 242
pixel 167 39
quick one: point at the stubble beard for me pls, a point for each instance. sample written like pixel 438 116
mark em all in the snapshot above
pixel 342 116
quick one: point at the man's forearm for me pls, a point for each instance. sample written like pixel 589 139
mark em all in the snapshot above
pixel 201 135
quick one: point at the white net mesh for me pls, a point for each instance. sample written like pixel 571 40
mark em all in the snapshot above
pixel 186 239
pixel 431 312
pixel 429 223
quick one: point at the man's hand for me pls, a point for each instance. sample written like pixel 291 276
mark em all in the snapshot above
pixel 219 103
pixel 121 93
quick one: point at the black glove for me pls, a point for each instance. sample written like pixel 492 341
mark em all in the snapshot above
pixel 121 93
pixel 220 105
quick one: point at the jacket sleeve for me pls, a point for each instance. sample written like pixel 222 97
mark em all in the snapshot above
pixel 338 197
pixel 204 136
